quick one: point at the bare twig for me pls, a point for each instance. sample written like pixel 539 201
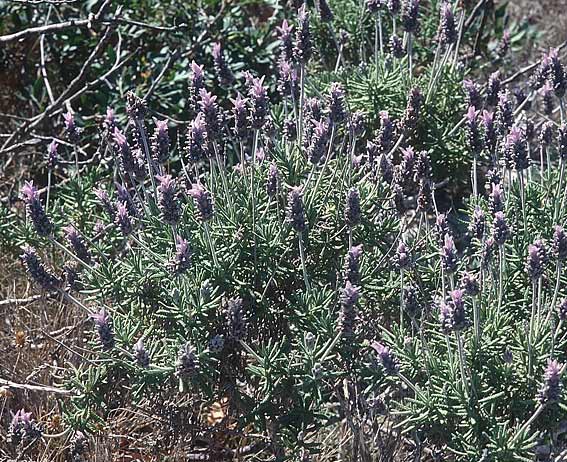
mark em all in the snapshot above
pixel 158 79
pixel 42 388
pixel 23 301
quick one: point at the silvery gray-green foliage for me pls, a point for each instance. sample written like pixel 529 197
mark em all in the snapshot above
pixel 306 277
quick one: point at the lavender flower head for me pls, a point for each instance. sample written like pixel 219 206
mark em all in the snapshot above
pixel 136 107
pixel 325 11
pixel 489 130
pixel 387 360
pixel 160 142
pixel 273 180
pixel 347 317
pixel 109 122
pixel 504 116
pixel 123 152
pixel 351 267
pixel 259 103
pixel 197 77
pixel 36 270
pixel 452 315
pixel 496 199
pixel 23 428
pixel 317 148
pixel 211 114
pixel 167 199
pixel 469 284
pixel 181 260
pixel 449 258
pixel 535 263
pixel 396 47
pixel 236 321
pixel 203 202
pixel 562 310
pixel 493 89
pixel 302 50
pixel 104 329
pixel 394 6
pixel 546 134
pixel 216 343
pixel 35 210
pixel 403 256
pixel 552 387
pixel 411 114
pixel 71 129
pixel 557 74
pixel 447 30
pixel 123 219
pixel 196 143
pixel 374 6
pixel 105 202
pixel 240 117
pixel 516 150
pixel 77 244
pixel 500 229
pixel 296 210
pixel 285 32
pixel 474 139
pixel 187 364
pixel 141 355
pixel 478 223
pixel 52 156
pixel 385 139
pixel 409 16
pixel 224 74
pixel 472 93
pixel 337 103
pixel 546 93
pixel 352 208
pixel 559 243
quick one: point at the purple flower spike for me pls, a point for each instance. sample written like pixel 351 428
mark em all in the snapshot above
pixel 546 134
pixel 557 75
pixel 236 321
pixel 23 428
pixel 37 271
pixel 325 11
pixel 396 47
pixel 496 199
pixel 160 142
pixel 187 362
pixel 337 103
pixel 141 355
pixel 273 180
pixel 259 103
pixel 562 310
pixel 477 224
pixel 104 329
pixel 394 6
pixel 109 120
pixel 203 202
pixel 181 261
pixel 537 258
pixel 474 138
pixel 449 258
pixel 224 74
pixel 78 244
pixel 409 16
pixel 489 130
pixel 516 149
pixel 403 256
pixel 240 116
pixel 351 267
pixel 296 210
pixel 472 93
pixel 447 30
pixel 347 318
pixel 41 222
pixel 285 32
pixel 302 50
pixel 105 201
pixel 210 110
pixel 493 89
pixel 559 244
pixel 196 143
pixel 167 199
pixel 52 156
pixel 387 360
pixel 552 387
pixel 73 132
pixel 469 284
pixel 123 152
pixel 500 231
pixel 123 219
pixel 352 208
pixel 317 148
pixel 411 115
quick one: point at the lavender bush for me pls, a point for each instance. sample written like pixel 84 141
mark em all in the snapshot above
pixel 294 260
